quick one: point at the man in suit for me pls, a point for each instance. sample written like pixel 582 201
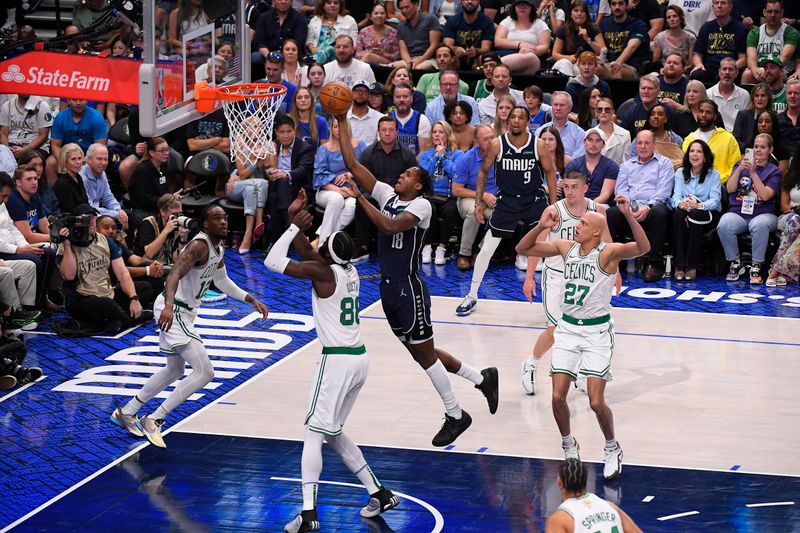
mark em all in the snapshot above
pixel 294 167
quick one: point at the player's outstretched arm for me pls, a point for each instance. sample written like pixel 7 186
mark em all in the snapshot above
pixel 300 242
pixel 362 175
pixel 227 286
pixel 195 253
pixel 402 222
pixel 640 244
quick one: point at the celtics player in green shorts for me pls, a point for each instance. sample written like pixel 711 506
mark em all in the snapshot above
pixel 342 367
pixel 584 336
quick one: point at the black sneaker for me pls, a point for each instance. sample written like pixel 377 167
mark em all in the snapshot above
pixel 489 387
pixel 452 428
pixel 20 318
pixel 305 521
pixel 381 501
pixel 735 271
pixel 32 374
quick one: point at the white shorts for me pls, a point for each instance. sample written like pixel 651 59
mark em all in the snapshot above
pixel 585 350
pixel 552 293
pixel 182 331
pixel 337 381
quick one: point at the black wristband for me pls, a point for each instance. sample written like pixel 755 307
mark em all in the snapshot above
pixel 134 298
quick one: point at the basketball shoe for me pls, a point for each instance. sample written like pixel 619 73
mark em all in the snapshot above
pixel 151 428
pixel 126 422
pixel 489 387
pixel 381 501
pixel 613 466
pixel 529 376
pixel 467 306
pixel 572 451
pixel 451 429
pixel 305 521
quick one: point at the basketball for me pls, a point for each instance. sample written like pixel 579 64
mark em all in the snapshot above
pixel 335 98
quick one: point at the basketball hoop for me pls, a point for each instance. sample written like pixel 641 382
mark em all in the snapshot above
pixel 250 111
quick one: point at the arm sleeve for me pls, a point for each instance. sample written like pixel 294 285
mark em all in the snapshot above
pixel 224 283
pixel 382 192
pixel 277 259
pixel 420 208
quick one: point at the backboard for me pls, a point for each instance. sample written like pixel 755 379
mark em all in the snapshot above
pixel 173 63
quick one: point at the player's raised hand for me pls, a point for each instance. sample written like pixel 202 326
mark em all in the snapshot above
pixel 303 220
pixel 623 204
pixel 299 203
pixel 549 218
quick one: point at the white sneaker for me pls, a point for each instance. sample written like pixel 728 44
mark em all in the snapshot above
pixel 427 253
pixel 572 452
pixel 521 262
pixel 529 376
pixel 467 306
pixel 440 258
pixel 580 384
pixel 151 429
pixel 613 466
pixel 127 422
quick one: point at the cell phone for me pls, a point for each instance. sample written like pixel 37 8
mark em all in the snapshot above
pixel 748 154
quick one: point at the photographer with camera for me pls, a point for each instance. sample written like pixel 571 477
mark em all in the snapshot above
pixel 86 260
pixel 158 237
pixel 139 268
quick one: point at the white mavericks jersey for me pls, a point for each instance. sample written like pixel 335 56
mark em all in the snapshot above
pixel 592 514
pixel 197 281
pixel 336 317
pixel 564 230
pixel 587 287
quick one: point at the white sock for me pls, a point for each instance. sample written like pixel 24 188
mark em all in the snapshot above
pixel 532 360
pixel 354 460
pixel 441 382
pixel 490 244
pixel 311 467
pixel 132 407
pixel 569 440
pixel 472 374
pixel 612 444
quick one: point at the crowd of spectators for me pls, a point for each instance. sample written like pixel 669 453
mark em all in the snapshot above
pixel 455 71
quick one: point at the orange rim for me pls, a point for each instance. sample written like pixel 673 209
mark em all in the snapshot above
pixel 252 90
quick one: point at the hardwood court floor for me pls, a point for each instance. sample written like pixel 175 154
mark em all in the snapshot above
pixel 690 390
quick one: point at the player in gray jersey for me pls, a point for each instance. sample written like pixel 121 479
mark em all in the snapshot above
pixel 584 336
pixel 342 368
pixel 200 262
pixel 582 511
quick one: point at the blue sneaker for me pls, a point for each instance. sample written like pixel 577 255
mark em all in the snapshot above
pixel 467 306
pixel 212 296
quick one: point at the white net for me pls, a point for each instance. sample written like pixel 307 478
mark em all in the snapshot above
pixel 251 115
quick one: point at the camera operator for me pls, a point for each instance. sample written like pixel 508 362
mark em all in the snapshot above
pixel 138 267
pixel 157 238
pixel 87 266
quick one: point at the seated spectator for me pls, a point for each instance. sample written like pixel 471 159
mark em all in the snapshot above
pixel 69 188
pixel 587 103
pixel 81 125
pixel 419 36
pixel 444 9
pixel 459 116
pixel 377 99
pixel 676 39
pixel 752 190
pixel 18 290
pixel 578 35
pixel 539 111
pixel 452 90
pixel 90 297
pixel 696 13
pixel 7 161
pixel 469 33
pixel 149 180
pixel 484 87
pixel 719 38
pixel 731 98
pixel 672 82
pixel 95 183
pixel 187 17
pixel 344 67
pixel 685 120
pixel 635 119
pixel 745 124
pixel 25 123
pixel 465 182
pixel 291 170
pixel 627 41
pixel 774 76
pixel 551 14
pixel 273 69
pixel 213 71
pixel 378 42
pixel 331 20
pixel 363 119
pixel 501 83
pixel 790 193
pixel 522 38
pixel 45 191
pixel 668 143
pixel 773 38
pixel 151 272
pixel 618 139
pixel 13 244
pixel 767 122
pixel 600 171
pixel 293 71
pixel 786 263
pixel 723 145
pixel 555 147
pixel 648 180
pixel 649 12
pixel 331 186
pixel 402 76
pixel 158 236
pixel 502 119
pixel 571 134
pixel 276 25
pixel 311 127
pixel 26 215
pixel 249 185
pixel 787 121
pixel 84 14
pixel 429 83
pixel 696 203
pixel 440 161
pixel 414 127
pixel 586 78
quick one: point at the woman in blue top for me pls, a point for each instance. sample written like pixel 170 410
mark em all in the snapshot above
pixel 440 162
pixel 310 127
pixel 329 182
pixel 696 200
